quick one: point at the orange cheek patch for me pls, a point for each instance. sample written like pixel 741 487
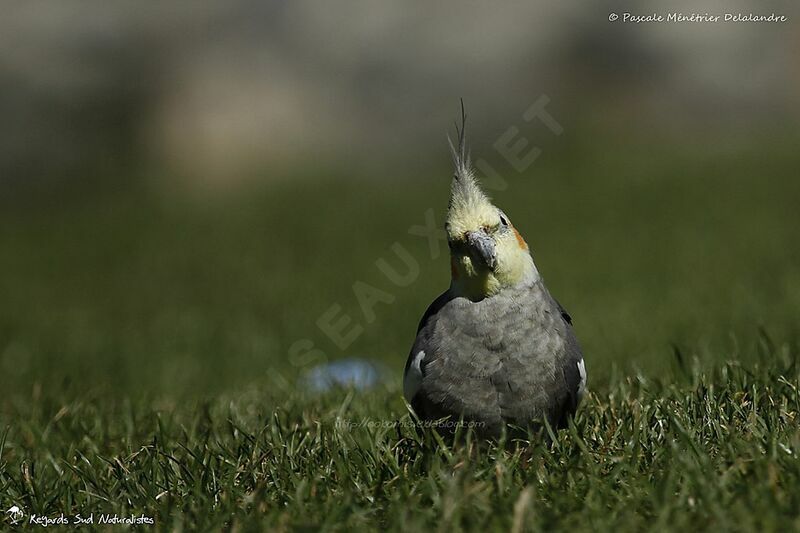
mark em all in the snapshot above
pixel 520 240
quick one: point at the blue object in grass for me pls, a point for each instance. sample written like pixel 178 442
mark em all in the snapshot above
pixel 357 373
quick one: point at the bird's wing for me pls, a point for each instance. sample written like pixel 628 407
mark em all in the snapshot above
pixel 422 348
pixel 566 316
pixel 569 360
pixel 576 379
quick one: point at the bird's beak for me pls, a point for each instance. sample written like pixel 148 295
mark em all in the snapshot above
pixel 482 248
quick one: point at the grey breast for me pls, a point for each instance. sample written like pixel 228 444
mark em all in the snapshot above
pixel 510 358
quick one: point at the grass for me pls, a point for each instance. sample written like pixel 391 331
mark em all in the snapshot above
pixel 715 451
pixel 146 353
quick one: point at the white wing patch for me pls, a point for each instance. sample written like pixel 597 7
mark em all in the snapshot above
pixel 412 381
pixel 582 384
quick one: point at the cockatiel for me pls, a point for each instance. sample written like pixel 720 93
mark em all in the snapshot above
pixel 496 348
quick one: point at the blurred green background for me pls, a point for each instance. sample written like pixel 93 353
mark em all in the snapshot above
pixel 182 197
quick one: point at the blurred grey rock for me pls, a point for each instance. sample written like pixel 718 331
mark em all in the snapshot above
pixel 360 374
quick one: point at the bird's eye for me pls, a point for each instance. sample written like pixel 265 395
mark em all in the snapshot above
pixel 503 220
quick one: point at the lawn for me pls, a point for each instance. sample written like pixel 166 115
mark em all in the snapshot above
pixel 152 350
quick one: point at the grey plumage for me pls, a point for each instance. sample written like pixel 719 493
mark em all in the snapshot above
pixel 512 358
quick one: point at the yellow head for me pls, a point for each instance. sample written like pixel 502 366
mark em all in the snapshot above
pixel 487 253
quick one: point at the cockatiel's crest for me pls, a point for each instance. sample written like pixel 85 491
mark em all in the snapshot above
pixel 487 252
pixel 469 205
